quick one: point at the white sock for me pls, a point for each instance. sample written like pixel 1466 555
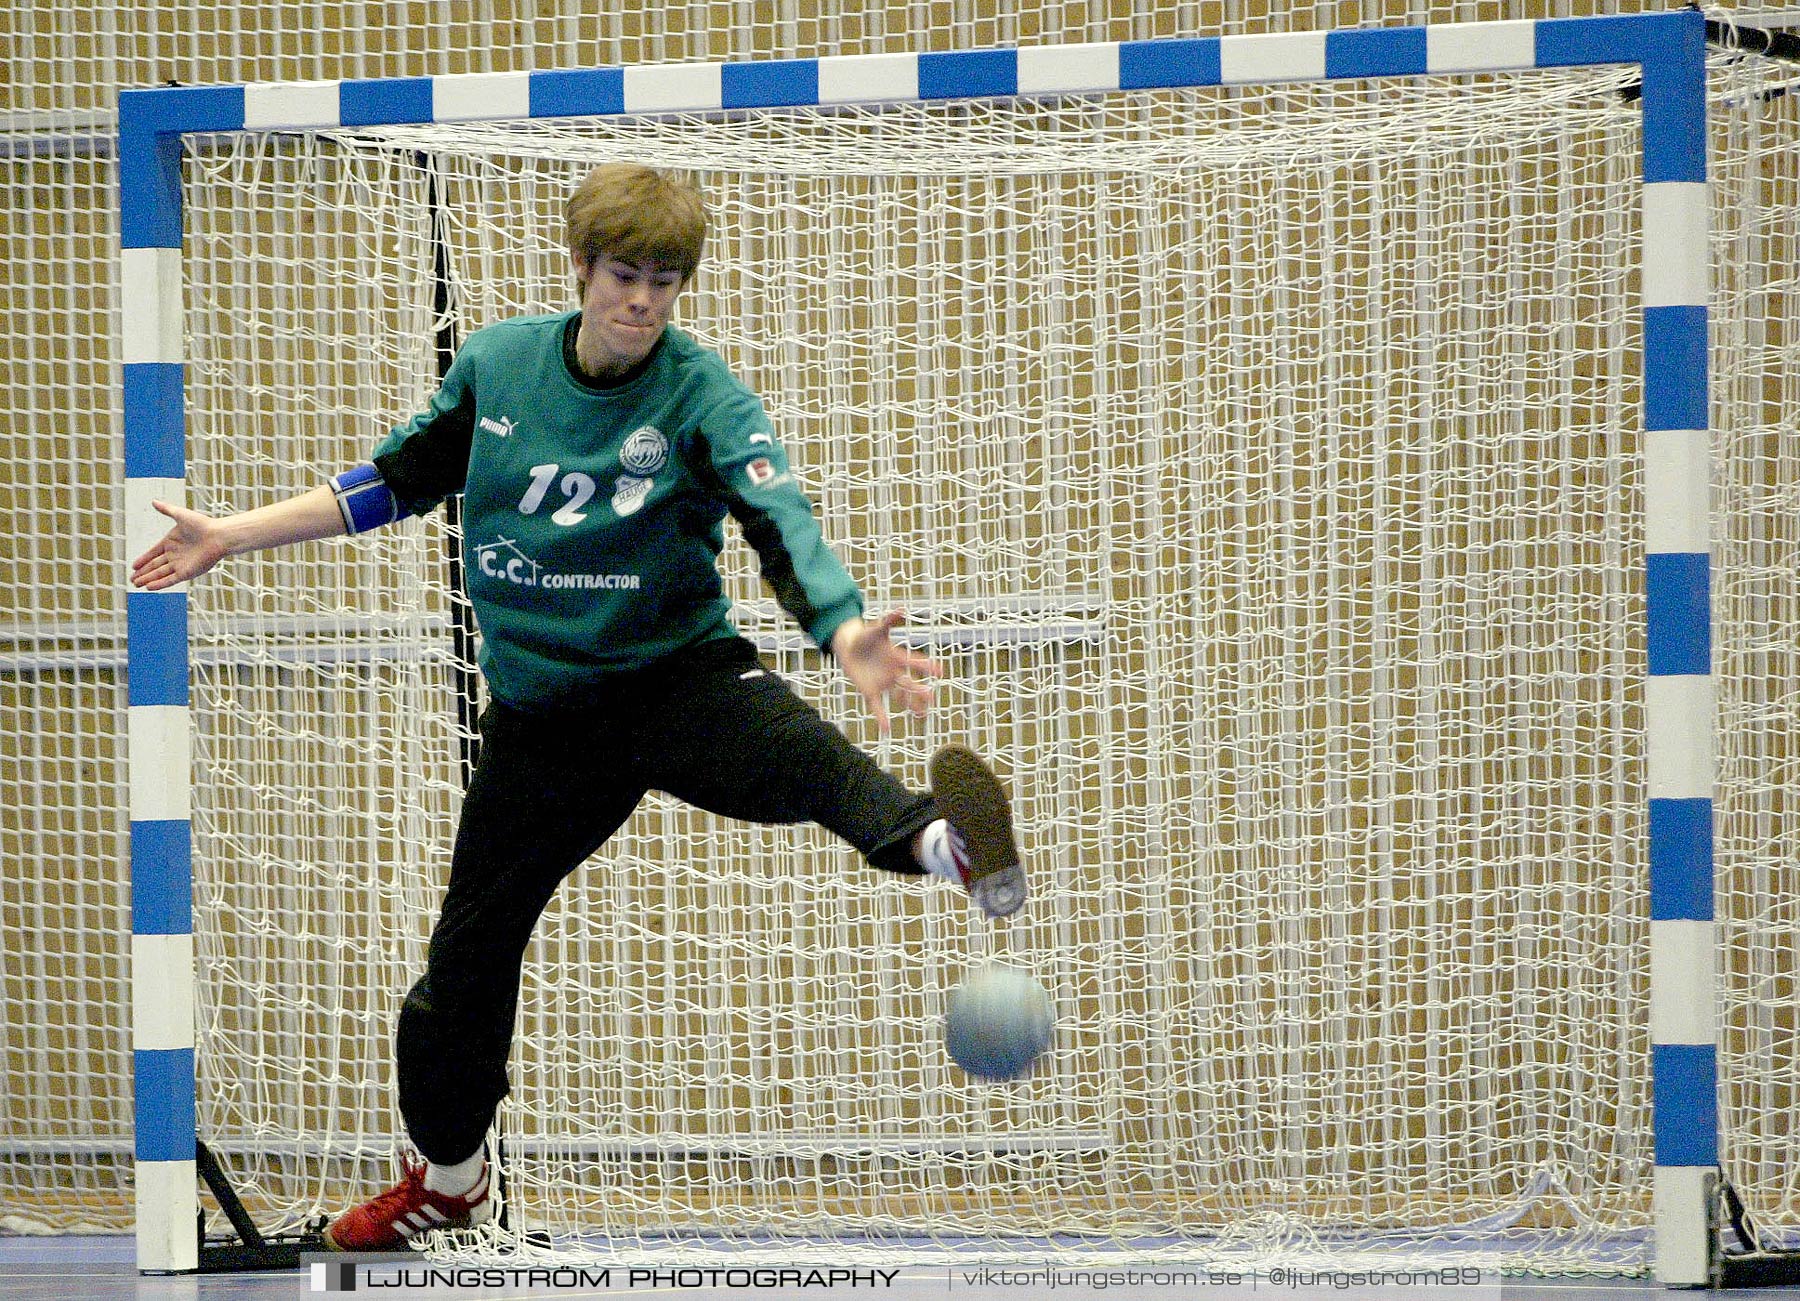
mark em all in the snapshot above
pixel 459 1179
pixel 941 852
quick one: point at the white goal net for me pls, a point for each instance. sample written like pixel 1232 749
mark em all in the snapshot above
pixel 1264 468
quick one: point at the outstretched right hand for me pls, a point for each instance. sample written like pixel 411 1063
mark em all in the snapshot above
pixel 192 547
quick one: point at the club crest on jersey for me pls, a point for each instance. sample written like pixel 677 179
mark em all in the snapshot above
pixel 645 450
pixel 629 494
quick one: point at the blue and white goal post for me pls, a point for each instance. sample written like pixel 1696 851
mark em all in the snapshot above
pixel 1678 697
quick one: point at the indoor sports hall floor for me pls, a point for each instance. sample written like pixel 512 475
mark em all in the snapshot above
pixel 101 1269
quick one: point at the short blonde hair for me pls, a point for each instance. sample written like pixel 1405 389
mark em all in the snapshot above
pixel 638 215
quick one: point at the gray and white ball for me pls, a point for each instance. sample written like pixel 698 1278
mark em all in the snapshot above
pixel 998 1023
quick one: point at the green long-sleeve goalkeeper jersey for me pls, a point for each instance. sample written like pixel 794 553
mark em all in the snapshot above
pixel 593 517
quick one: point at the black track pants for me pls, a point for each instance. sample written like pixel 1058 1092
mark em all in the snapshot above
pixel 711 726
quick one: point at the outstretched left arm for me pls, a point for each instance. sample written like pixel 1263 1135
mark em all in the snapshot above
pixel 778 520
pixel 879 667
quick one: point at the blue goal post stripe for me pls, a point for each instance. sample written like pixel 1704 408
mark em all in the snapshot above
pixel 155 412
pixel 163 1088
pixel 1678 612
pixel 1684 1104
pixel 162 877
pixel 156 654
pixel 1675 367
pixel 1681 859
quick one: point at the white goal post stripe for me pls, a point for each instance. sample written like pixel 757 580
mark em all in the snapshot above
pixel 1668 46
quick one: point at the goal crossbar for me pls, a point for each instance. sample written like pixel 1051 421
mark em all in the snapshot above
pixel 1669 49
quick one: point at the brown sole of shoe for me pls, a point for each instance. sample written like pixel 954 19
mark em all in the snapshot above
pixel 972 799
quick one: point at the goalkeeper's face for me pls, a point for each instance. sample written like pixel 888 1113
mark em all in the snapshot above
pixel 624 307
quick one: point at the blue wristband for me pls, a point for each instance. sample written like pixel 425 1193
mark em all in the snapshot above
pixel 364 499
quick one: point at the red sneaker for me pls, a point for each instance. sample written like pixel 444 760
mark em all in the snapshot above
pixel 388 1222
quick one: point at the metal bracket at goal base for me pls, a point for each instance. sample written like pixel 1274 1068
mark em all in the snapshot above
pixel 1759 1269
pixel 252 1249
pixel 1753 1266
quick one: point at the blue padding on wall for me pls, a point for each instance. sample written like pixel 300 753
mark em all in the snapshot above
pixel 163 1085
pixel 1681 860
pixel 156 631
pixel 1685 1104
pixel 1678 612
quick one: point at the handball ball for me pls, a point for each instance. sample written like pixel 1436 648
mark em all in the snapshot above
pixel 998 1023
